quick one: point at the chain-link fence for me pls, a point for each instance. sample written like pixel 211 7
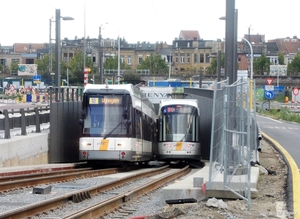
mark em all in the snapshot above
pixel 233 138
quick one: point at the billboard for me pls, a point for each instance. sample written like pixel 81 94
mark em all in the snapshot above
pixel 27 69
pixel 280 70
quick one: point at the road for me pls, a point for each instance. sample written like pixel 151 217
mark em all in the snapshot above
pixel 285 133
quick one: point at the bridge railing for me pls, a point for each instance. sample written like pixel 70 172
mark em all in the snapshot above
pixel 21 118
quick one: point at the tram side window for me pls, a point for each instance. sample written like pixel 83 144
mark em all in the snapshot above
pixel 137 125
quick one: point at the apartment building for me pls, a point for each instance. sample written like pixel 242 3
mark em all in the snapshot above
pixel 187 55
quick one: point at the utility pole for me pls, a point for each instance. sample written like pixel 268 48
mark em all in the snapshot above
pixel 100 57
pixel 230 40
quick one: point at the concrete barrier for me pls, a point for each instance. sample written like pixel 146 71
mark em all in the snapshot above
pixel 31 149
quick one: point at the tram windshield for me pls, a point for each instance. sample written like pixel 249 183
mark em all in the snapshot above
pixel 107 116
pixel 179 123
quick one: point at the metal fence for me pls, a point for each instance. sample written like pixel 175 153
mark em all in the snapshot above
pixel 233 139
pixel 23 118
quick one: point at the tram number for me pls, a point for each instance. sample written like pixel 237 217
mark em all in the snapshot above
pixel 103 145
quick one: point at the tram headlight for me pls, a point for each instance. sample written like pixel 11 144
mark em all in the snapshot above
pixel 85 144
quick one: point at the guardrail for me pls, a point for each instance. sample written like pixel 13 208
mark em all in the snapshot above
pixel 22 118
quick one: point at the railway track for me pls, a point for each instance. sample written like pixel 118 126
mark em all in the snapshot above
pixel 105 206
pixel 28 180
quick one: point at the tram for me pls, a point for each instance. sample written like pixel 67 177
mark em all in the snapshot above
pixel 179 130
pixel 118 124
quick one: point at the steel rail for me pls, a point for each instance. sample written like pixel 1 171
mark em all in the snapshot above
pixel 53 203
pixel 13 178
pixel 107 206
pixel 4 186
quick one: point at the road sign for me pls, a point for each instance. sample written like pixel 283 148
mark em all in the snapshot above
pixel 269 81
pixel 269 87
pixel 269 94
pixel 295 91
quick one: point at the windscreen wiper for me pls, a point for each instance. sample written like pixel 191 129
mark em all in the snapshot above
pixel 108 134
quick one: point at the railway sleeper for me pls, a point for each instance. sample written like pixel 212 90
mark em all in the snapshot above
pixel 81 196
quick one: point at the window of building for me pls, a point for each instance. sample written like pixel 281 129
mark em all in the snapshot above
pixel 176 57
pixel 122 59
pixel 15 61
pixel 188 44
pixel 188 58
pixel 201 58
pixel 195 58
pixel 129 60
pixel 140 59
pixel 29 61
pixel 181 57
pixel 176 44
pixel 65 57
pixel 70 56
pixel 207 58
pixel 3 62
pixel 112 43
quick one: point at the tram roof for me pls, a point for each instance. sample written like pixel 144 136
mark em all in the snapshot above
pixel 192 102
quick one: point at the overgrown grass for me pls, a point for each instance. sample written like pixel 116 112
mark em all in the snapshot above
pixel 282 113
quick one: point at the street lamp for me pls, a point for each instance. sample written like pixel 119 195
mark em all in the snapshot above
pixel 58 51
pixel 251 73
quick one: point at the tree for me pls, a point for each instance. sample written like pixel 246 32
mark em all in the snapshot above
pixel 212 68
pixel 43 68
pixel 131 77
pixel 280 58
pixel 155 63
pixel 112 63
pixel 261 65
pixel 294 66
pixel 75 68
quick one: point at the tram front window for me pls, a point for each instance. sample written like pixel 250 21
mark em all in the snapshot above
pixel 178 124
pixel 104 117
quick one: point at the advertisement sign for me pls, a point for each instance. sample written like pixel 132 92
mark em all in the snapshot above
pixel 27 69
pixel 280 70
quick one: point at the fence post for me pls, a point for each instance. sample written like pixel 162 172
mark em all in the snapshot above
pixel 23 122
pixel 6 124
pixel 37 120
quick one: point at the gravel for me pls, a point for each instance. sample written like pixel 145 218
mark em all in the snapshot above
pixel 21 198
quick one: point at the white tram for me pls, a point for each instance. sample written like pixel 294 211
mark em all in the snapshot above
pixel 118 124
pixel 179 130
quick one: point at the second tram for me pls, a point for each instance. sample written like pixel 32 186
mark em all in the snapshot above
pixel 179 130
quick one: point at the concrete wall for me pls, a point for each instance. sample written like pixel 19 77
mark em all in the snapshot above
pixel 30 149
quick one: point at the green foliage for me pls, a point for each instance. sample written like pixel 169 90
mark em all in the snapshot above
pixel 280 58
pixel 14 66
pixel 155 63
pixel 131 77
pixel 212 68
pixel 43 64
pixel 282 114
pixel 112 63
pixel 261 65
pixel 294 66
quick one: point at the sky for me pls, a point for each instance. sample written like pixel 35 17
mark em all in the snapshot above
pixel 143 20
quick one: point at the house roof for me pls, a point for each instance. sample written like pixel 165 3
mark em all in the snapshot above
pixel 189 35
pixel 288 45
pixel 27 47
pixel 255 39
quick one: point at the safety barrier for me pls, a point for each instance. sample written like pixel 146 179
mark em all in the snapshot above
pixel 22 118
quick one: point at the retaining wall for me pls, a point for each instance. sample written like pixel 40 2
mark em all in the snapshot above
pixel 31 149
